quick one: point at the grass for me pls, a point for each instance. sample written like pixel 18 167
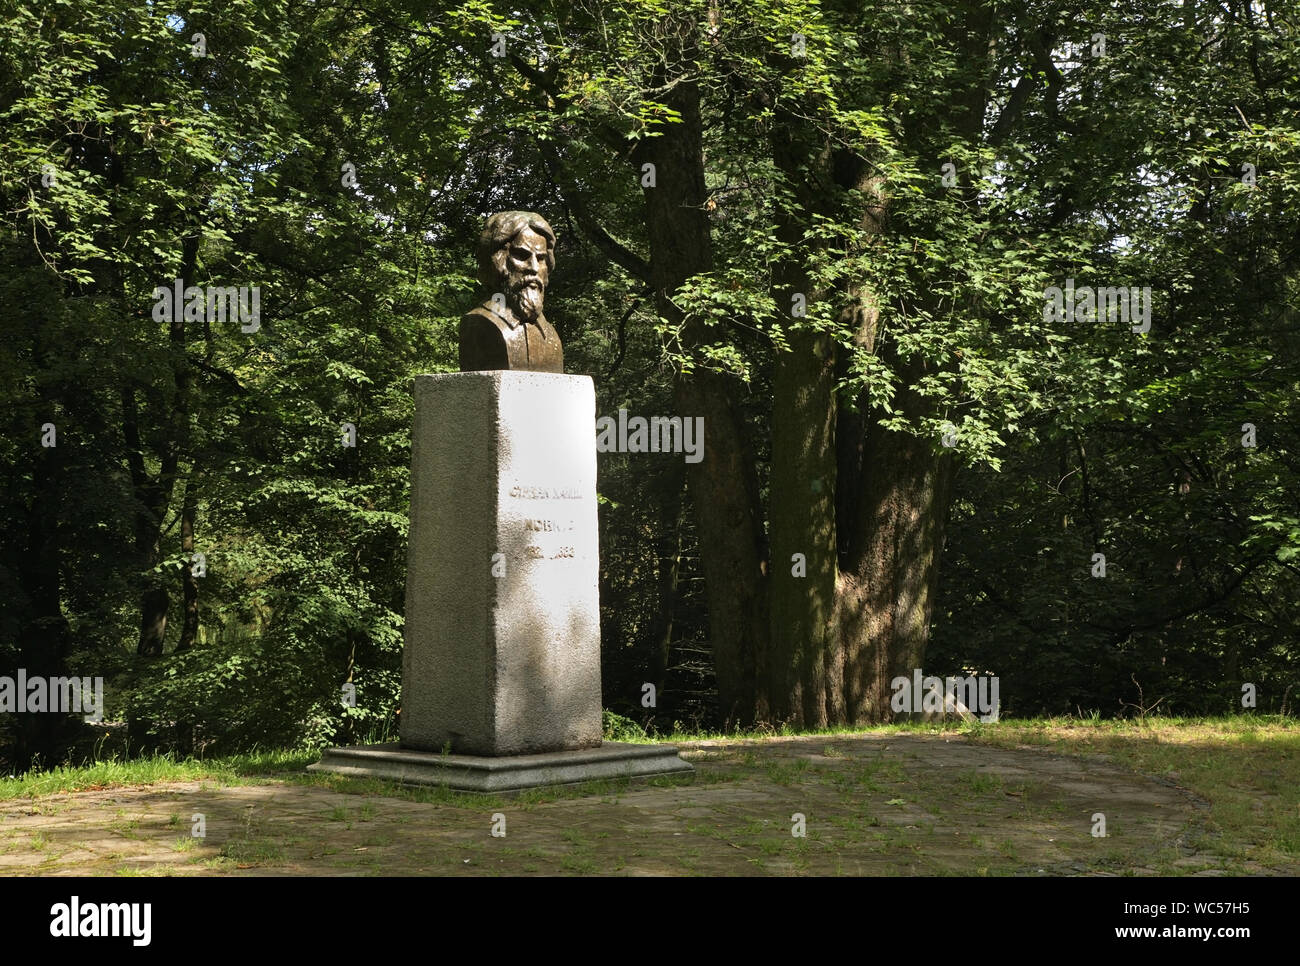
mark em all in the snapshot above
pixel 679 734
pixel 787 773
pixel 283 765
pixel 1244 771
pixel 126 827
pixel 1245 768
pixel 252 851
pixel 113 773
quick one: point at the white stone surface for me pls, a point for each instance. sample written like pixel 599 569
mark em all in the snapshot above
pixel 503 462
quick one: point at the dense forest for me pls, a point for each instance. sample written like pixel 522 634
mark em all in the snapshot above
pixel 989 308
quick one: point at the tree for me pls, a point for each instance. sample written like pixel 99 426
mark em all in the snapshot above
pixel 913 175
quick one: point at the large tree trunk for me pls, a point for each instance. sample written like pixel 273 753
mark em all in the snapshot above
pixel 190 604
pixel 887 591
pixel 895 487
pixel 723 484
pixel 805 665
pixel 804 675
pixel 890 513
pixel 730 526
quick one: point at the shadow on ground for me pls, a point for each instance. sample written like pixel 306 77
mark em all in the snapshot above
pixel 871 805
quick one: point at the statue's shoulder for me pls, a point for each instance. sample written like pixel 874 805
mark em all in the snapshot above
pixel 483 340
pixel 483 314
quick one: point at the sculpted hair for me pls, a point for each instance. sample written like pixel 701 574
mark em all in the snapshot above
pixel 499 231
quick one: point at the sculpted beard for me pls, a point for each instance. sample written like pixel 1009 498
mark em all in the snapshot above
pixel 526 296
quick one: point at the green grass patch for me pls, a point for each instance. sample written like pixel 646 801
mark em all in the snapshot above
pixel 252 851
pixel 1245 767
pixel 233 770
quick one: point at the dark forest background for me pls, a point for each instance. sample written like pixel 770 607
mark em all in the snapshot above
pixel 343 157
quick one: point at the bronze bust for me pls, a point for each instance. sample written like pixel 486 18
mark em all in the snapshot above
pixel 516 253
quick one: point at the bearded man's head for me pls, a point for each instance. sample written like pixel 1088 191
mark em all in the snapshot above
pixel 516 253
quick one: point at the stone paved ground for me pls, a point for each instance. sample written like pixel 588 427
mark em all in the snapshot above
pixel 873 805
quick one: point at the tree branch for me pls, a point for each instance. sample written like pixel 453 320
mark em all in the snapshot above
pixel 622 330
pixel 575 198
pixel 222 374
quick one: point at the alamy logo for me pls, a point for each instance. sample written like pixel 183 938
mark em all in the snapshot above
pixel 661 434
pixel 25 695
pixel 1086 304
pixel 964 695
pixel 74 920
pixel 214 306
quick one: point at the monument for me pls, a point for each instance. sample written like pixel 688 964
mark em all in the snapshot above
pixel 501 660
pixel 516 253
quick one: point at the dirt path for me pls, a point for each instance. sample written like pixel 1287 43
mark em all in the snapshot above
pixel 872 805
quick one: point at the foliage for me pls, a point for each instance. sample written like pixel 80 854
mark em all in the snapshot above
pixel 128 160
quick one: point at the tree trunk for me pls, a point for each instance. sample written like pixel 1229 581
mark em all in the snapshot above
pixel 153 494
pixel 668 562
pixel 805 665
pixel 895 487
pixel 151 502
pixel 189 583
pixel 44 643
pixel 805 679
pixel 723 484
pixel 887 592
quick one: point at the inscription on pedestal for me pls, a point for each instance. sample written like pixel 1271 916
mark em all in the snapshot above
pixel 549 537
pixel 502 653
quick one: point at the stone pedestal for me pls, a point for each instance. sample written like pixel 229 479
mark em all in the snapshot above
pixel 501 662
pixel 502 652
pixel 510 773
